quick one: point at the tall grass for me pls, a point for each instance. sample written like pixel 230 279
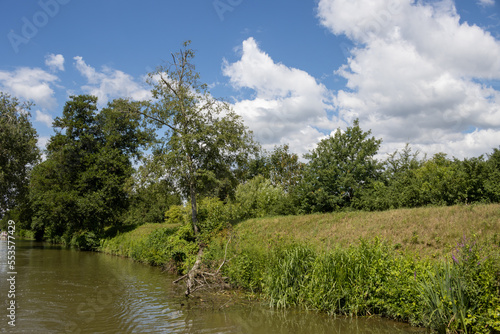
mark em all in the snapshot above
pixel 447 307
pixel 371 278
pixel 288 274
pixel 320 262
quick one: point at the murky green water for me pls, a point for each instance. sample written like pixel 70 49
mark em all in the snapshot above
pixel 66 291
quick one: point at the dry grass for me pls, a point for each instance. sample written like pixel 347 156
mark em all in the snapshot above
pixel 429 231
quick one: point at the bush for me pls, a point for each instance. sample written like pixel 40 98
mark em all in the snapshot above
pixel 85 240
pixel 246 269
pixel 177 214
pixel 213 215
pixel 154 249
pixel 259 198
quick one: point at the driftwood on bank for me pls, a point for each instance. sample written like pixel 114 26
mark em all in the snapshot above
pixel 197 278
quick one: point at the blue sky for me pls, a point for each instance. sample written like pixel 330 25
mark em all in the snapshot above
pixel 422 72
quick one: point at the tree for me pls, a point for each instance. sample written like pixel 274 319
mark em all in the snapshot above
pixel 398 185
pixel 149 202
pixel 338 168
pixel 285 168
pixel 492 182
pixel 18 152
pixel 81 186
pixel 204 140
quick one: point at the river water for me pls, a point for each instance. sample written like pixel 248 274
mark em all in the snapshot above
pixel 61 290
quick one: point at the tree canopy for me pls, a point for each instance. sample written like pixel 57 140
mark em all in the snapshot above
pixel 18 151
pixel 80 186
pixel 339 167
pixel 204 140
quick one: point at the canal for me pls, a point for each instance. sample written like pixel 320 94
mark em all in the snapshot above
pixel 58 290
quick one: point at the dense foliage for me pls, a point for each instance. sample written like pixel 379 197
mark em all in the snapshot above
pixel 409 182
pixel 339 168
pixel 79 189
pixel 18 153
pixel 203 138
pixel 371 278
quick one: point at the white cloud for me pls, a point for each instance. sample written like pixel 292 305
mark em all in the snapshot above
pixel 42 145
pixel 110 84
pixel 413 74
pixel 55 62
pixel 32 84
pixel 43 118
pixel 289 105
pixel 486 3
pixel 43 141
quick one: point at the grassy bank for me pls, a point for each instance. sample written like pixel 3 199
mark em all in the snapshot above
pixel 429 231
pixel 436 267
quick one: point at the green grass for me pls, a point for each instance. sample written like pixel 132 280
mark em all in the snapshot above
pixel 396 263
pixel 429 231
pixel 124 244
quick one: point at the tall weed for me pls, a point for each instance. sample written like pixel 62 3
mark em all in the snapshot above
pixel 288 273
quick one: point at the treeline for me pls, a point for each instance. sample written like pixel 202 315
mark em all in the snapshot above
pixel 131 162
pixel 342 174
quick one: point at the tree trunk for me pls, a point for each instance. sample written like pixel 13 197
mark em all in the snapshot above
pixel 190 283
pixel 192 193
pixel 191 275
pixel 194 209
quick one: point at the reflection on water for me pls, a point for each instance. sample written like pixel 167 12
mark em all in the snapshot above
pixel 66 291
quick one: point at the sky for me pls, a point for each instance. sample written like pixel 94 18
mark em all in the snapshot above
pixel 421 72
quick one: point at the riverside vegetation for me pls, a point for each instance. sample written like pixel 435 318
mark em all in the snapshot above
pixel 180 182
pixel 440 268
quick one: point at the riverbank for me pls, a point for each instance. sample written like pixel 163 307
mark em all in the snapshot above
pixel 434 267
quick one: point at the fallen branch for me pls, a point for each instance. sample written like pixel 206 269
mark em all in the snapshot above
pixel 179 279
pixel 193 284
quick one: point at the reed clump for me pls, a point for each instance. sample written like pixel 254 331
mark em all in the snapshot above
pixel 370 277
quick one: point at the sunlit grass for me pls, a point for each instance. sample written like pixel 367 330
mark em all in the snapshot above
pixel 428 231
pixel 124 244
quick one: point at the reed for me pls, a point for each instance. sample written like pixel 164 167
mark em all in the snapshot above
pixel 447 306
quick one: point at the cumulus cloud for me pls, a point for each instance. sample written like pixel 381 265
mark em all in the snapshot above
pixel 32 84
pixel 110 83
pixel 288 106
pixel 417 74
pixel 55 62
pixel 43 118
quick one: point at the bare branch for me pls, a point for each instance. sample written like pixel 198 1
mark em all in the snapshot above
pixel 225 253
pixel 180 279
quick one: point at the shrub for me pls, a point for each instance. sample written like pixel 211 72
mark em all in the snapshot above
pixel 213 215
pixel 154 249
pixel 85 240
pixel 259 198
pixel 177 214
